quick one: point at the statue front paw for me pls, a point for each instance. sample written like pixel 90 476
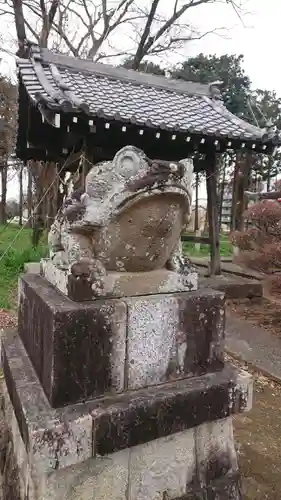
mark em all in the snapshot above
pixel 93 271
pixel 180 264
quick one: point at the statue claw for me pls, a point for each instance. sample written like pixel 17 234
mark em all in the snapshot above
pixel 93 270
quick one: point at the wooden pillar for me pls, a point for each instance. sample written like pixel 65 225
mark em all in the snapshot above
pixel 196 218
pixel 213 216
pixel 29 195
pixel 87 163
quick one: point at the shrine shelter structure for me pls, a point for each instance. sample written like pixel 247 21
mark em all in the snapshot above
pixel 68 105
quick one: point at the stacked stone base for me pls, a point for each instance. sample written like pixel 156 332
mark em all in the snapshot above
pixel 168 443
pixel 124 399
pixel 162 469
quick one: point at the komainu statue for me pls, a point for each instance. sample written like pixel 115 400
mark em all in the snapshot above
pixel 129 219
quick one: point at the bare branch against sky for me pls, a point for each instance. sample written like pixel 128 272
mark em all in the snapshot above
pixel 98 29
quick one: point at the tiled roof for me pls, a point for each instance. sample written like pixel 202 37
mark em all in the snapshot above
pixel 65 83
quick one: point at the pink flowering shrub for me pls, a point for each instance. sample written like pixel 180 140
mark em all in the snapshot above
pixel 260 244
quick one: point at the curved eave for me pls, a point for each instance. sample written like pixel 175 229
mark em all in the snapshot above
pixel 261 140
pixel 49 92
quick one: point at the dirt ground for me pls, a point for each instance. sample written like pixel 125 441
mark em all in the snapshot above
pixel 258 441
pixel 258 433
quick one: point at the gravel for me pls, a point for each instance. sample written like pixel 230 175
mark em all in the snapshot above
pixel 8 319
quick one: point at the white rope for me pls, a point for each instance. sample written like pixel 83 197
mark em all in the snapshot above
pixel 38 204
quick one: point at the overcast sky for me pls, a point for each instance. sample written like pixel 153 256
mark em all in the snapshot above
pixel 258 37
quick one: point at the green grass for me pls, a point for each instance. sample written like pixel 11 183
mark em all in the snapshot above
pixel 225 248
pixel 12 264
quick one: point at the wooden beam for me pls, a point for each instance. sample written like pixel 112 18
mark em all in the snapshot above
pixel 271 195
pixel 212 208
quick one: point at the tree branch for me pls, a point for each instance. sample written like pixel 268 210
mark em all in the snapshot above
pixel 52 12
pixel 20 27
pixel 94 21
pixel 101 55
pixel 47 20
pixel 32 31
pixel 141 47
pixel 105 14
pixel 169 23
pixel 43 9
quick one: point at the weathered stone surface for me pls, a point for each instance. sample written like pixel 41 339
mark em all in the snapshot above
pixel 225 488
pixel 215 451
pixel 129 219
pixel 78 351
pixel 156 412
pixel 122 284
pixel 100 478
pixel 54 439
pixel 60 438
pixel 32 267
pixel 163 467
pixel 15 480
pixel 86 350
pixel 172 336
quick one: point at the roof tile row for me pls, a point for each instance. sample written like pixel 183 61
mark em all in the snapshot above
pixel 134 97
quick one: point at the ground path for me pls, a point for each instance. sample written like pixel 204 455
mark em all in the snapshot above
pixel 254 345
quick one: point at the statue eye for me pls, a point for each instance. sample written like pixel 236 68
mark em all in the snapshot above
pixel 128 166
pixel 174 167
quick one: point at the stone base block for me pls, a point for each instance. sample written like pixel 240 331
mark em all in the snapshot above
pixel 84 350
pixel 164 469
pixel 119 284
pixel 170 444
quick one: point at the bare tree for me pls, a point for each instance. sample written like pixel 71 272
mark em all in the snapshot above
pixel 8 118
pixel 29 21
pixel 98 29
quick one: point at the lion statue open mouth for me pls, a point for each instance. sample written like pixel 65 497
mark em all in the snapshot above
pixel 129 218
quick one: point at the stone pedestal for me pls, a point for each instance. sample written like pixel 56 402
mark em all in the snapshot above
pixel 82 351
pixel 119 284
pixel 126 398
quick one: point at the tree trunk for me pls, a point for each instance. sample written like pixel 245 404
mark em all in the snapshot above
pixel 222 194
pixel 234 193
pixel 270 165
pixel 196 218
pixel 241 183
pixel 38 220
pixel 29 195
pixel 52 196
pixel 20 194
pixel 215 263
pixel 20 27
pixel 141 52
pixel 4 175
